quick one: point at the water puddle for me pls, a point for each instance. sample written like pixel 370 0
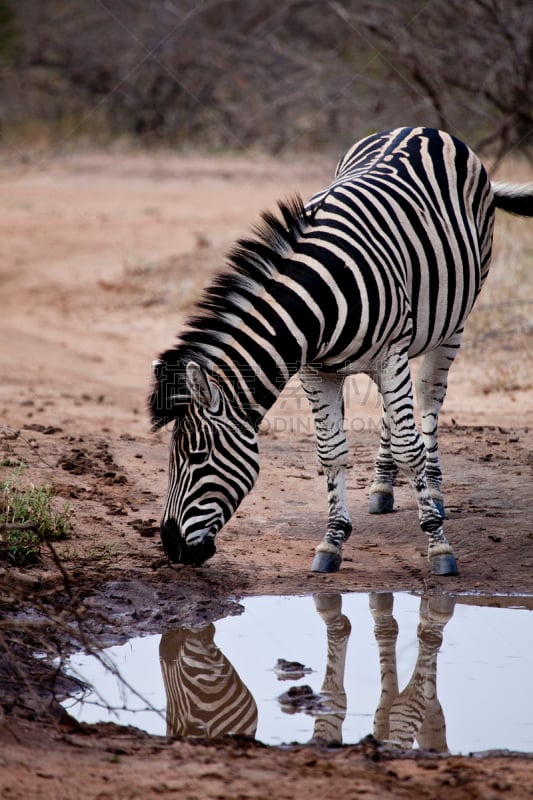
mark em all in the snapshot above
pixel 436 672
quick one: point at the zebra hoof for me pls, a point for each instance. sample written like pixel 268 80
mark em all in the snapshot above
pixel 380 503
pixel 326 562
pixel 444 564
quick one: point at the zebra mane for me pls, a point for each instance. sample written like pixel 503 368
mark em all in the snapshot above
pixel 252 263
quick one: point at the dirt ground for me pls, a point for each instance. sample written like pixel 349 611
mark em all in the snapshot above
pixel 102 257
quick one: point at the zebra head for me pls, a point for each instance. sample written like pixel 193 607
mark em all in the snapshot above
pixel 213 464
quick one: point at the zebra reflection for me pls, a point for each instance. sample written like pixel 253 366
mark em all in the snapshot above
pixel 205 695
pixel 415 712
pixel 401 716
pixel 328 726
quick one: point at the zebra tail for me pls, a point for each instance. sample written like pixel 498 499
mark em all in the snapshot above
pixel 515 198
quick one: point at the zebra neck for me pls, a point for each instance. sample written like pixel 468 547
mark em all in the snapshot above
pixel 250 330
pixel 252 352
pixel 253 369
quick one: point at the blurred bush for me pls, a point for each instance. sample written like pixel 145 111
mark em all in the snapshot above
pixel 234 74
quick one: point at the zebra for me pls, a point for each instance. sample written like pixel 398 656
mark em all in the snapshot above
pixel 205 694
pixel 382 266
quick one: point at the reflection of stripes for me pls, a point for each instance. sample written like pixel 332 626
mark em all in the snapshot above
pixel 415 712
pixel 205 695
pixel 328 727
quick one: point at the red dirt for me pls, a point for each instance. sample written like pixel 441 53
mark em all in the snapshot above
pixel 103 256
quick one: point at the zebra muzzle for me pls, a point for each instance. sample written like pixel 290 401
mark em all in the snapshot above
pixel 179 551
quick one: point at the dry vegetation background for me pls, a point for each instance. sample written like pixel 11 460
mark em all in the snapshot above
pixel 291 75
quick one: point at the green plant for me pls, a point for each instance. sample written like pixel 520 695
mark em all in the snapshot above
pixel 27 519
pixel 105 551
pixel 10 462
pixel 68 553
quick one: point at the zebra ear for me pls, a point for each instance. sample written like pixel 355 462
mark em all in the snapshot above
pixel 158 368
pixel 203 390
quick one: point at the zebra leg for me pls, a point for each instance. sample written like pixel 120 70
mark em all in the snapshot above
pixel 435 612
pixel 417 712
pixel 431 384
pixel 328 727
pixel 381 498
pixel 386 633
pixel 324 393
pixel 409 453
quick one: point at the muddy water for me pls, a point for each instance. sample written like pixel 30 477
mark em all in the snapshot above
pixel 436 672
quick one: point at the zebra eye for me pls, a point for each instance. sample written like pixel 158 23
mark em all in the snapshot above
pixel 198 456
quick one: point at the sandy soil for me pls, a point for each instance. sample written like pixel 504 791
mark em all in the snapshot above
pixel 102 257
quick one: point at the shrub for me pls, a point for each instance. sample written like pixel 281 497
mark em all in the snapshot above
pixel 27 519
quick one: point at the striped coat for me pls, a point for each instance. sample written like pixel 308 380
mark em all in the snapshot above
pixel 383 265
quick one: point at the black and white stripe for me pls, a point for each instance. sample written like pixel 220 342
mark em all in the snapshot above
pixel 205 695
pixel 382 266
pixel 415 712
pixel 328 724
